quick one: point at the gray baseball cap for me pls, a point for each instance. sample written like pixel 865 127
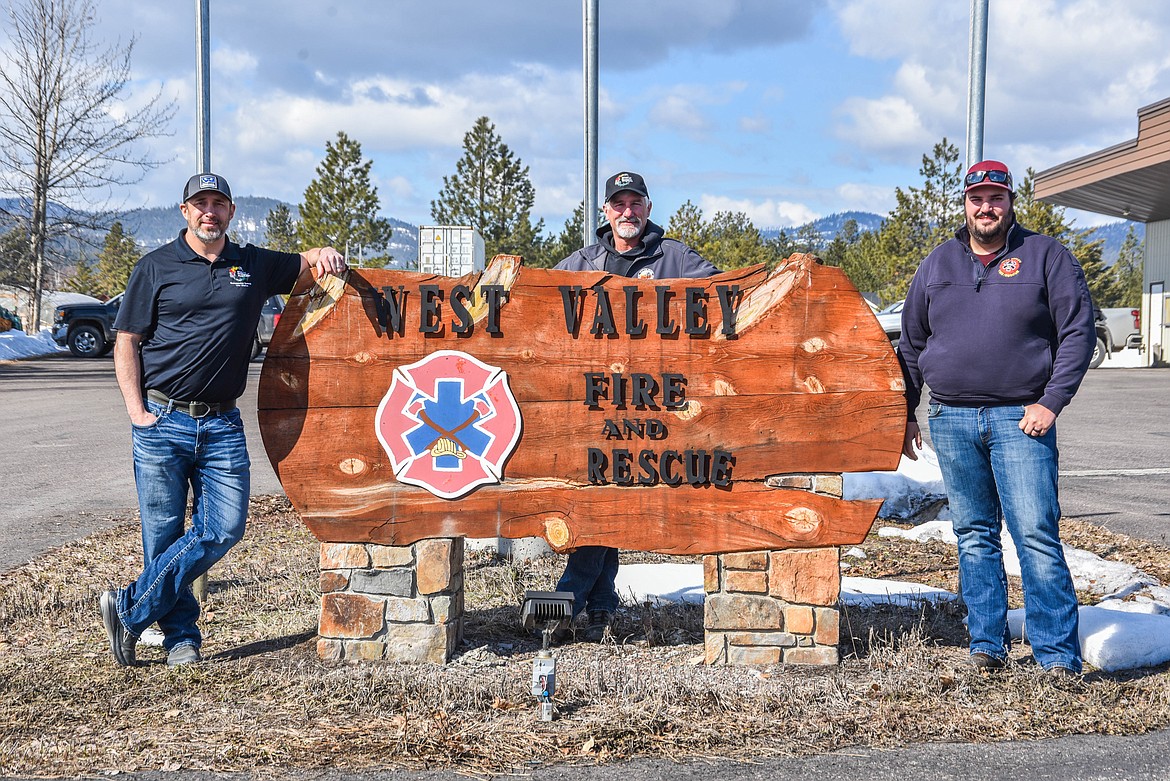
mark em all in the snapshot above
pixel 200 183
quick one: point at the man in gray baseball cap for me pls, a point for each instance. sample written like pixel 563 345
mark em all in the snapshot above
pixel 628 245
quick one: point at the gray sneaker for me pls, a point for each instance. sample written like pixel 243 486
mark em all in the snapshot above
pixel 184 653
pixel 121 641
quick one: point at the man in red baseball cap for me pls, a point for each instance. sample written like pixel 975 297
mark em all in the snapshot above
pixel 999 323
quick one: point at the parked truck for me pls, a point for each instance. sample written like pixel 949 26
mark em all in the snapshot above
pixel 1117 328
pixel 87 329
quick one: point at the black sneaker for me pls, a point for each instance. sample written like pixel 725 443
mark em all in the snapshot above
pixel 121 641
pixel 986 662
pixel 599 625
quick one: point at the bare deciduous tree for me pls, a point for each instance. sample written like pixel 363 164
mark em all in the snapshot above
pixel 68 136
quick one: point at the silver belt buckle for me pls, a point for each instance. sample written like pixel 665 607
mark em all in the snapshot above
pixel 199 409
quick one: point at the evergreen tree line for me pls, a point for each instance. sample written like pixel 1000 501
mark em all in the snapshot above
pixel 491 191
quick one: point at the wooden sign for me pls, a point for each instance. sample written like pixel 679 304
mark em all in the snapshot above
pixel 580 407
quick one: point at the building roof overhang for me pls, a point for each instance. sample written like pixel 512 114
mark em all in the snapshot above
pixel 1130 180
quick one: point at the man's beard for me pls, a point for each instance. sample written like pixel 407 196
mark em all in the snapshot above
pixel 629 230
pixel 993 234
pixel 213 234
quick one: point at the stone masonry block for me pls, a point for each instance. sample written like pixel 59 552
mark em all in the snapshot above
pixel 830 485
pixel 418 643
pixel 710 574
pixel 442 609
pixel 400 610
pixel 753 560
pixel 715 648
pixel 392 582
pixel 365 650
pixel 798 619
pixel 828 626
pixel 390 556
pixel 810 577
pixel 351 616
pixel 744 581
pixel 330 650
pixel 802 482
pixel 777 639
pixel 820 655
pixel 753 656
pixel 333 580
pixel 434 569
pixel 343 555
pixel 742 612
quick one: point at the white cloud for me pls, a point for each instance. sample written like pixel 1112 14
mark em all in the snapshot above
pixel 890 126
pixel 768 213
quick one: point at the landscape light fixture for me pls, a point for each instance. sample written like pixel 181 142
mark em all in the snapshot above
pixel 541 611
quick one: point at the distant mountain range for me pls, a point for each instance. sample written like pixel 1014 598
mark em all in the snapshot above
pixel 828 227
pixel 154 227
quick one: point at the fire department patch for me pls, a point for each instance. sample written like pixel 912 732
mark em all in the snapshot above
pixel 448 423
pixel 646 273
pixel 1010 267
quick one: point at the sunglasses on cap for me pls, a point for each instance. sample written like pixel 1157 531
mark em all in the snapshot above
pixel 999 177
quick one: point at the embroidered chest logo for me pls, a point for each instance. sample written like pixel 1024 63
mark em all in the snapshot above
pixel 448 423
pixel 646 273
pixel 239 277
pixel 1010 267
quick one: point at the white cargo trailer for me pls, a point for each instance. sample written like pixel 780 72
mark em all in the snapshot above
pixel 449 250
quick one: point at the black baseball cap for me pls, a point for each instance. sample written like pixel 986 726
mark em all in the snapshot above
pixel 200 183
pixel 625 181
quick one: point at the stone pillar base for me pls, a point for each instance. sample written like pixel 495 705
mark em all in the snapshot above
pixel 394 603
pixel 769 607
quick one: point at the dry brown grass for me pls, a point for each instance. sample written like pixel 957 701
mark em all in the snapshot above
pixel 264 699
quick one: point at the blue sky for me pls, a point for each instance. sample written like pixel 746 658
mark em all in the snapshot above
pixel 784 109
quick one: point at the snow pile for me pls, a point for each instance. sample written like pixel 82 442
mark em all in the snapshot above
pixel 18 344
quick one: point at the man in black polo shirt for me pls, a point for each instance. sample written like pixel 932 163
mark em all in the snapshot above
pixel 185 331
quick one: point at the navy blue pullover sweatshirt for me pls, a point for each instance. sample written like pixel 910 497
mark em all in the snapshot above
pixel 1018 331
pixel 657 257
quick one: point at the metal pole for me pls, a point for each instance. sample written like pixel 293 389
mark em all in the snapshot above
pixel 589 233
pixel 203 84
pixel 202 146
pixel 976 82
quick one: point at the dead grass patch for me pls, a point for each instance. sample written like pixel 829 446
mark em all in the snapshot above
pixel 264 699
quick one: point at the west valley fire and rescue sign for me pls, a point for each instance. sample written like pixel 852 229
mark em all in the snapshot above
pixel 580 407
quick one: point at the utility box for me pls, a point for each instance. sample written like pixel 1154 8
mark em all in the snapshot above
pixel 449 250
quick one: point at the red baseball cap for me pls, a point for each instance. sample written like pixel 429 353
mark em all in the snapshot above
pixel 988 173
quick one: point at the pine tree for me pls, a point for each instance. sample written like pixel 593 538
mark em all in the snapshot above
pixel 847 236
pixel 340 206
pixel 922 218
pixel 281 230
pixel 490 191
pixel 115 262
pixel 1128 271
pixel 561 246
pixel 687 226
pixel 84 279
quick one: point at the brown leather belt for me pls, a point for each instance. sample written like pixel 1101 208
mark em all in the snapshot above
pixel 196 409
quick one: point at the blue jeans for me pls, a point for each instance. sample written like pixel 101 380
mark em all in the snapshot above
pixel 994 473
pixel 590 573
pixel 210 457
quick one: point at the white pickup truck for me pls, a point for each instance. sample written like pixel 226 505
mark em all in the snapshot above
pixel 1117 328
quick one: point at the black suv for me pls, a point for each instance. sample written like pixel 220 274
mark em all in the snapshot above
pixel 88 329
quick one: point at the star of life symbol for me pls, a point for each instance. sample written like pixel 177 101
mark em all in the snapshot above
pixel 448 423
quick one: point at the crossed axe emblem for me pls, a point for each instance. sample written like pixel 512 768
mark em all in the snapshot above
pixel 447 443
